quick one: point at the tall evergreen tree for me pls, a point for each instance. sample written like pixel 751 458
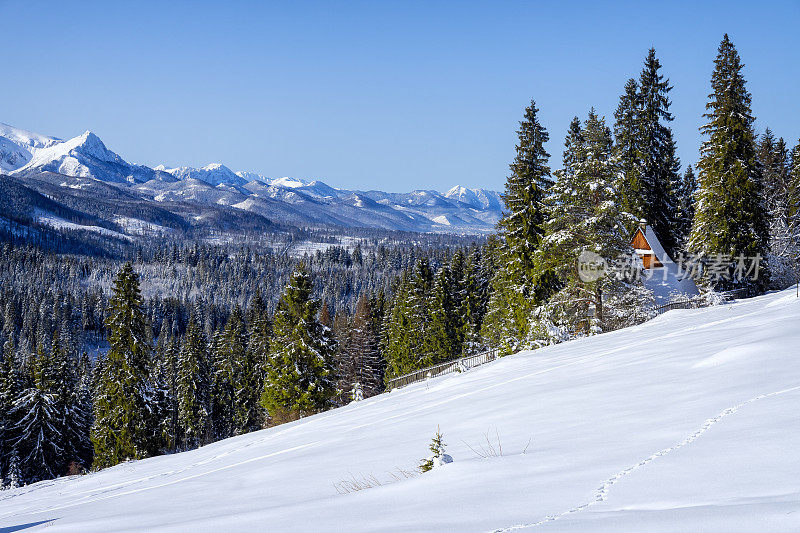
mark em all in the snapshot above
pixel 685 206
pixel 521 230
pixel 730 216
pixel 38 439
pixel 659 172
pixel 445 333
pixel 526 187
pixel 121 407
pixel 627 148
pixel 584 216
pixel 194 388
pixel 300 375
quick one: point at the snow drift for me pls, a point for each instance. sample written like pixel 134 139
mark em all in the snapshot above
pixel 685 423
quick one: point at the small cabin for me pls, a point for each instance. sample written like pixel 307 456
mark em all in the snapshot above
pixel 662 275
pixel 644 241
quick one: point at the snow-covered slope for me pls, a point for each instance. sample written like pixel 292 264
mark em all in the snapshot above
pixel 686 423
pixel 290 200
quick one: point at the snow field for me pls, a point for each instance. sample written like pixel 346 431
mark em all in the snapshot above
pixel 685 423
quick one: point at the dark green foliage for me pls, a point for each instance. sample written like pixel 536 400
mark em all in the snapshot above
pixel 300 377
pixel 526 187
pixel 194 388
pixel 584 216
pixel 121 408
pixel 627 148
pixel 645 151
pixel 437 448
pixel 521 229
pixel 684 214
pixel 360 364
pixel 730 216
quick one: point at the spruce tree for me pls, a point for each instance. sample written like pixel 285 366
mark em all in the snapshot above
pixel 166 387
pixel 782 172
pixel 584 216
pixel 521 231
pixel 627 148
pixel 38 438
pixel 685 206
pixel 526 187
pixel 730 216
pixel 300 377
pixel 366 340
pixel 445 333
pixel 194 388
pixel 120 430
pixel 656 146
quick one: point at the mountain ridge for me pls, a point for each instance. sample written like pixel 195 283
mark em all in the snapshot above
pixel 26 155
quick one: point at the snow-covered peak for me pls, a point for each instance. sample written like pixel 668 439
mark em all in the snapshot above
pixel 18 146
pixel 252 176
pixel 462 194
pixel 214 174
pixel 26 138
pixel 88 144
pixel 477 198
pixel 291 183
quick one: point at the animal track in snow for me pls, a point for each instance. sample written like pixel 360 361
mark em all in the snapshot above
pixel 601 494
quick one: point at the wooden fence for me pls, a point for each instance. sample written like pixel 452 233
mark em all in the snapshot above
pixel 456 365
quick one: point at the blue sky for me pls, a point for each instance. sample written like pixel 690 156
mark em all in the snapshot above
pixel 378 94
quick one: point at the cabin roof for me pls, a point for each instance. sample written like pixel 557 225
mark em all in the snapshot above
pixel 666 280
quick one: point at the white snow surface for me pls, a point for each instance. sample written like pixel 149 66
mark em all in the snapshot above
pixel 698 432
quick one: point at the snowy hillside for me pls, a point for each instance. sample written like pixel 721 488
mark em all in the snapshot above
pixel 29 156
pixel 686 423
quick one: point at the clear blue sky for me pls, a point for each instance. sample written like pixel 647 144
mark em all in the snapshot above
pixel 377 94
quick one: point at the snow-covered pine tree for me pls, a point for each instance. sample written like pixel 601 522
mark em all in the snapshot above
pixel 627 149
pixel 194 388
pixel 515 284
pixel 397 336
pixel 229 353
pixel 774 160
pixel 121 405
pixel 71 408
pixel 364 343
pixel 10 388
pixel 785 217
pixel 14 471
pixel 445 333
pixel 474 298
pixel 584 216
pixel 405 334
pixel 685 206
pixel 165 385
pixel 251 376
pixel 730 216
pixel 656 146
pixel 419 313
pixel 37 437
pixel 300 374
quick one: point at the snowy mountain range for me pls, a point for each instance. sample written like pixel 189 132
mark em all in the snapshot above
pixel 85 163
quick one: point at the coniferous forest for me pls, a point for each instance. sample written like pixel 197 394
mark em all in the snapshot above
pixel 113 352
